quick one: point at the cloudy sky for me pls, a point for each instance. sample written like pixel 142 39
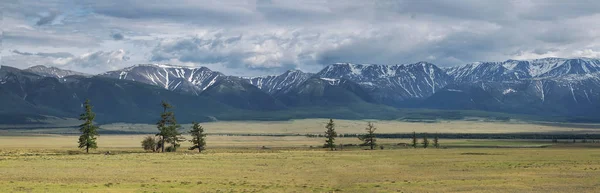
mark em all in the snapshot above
pixel 260 37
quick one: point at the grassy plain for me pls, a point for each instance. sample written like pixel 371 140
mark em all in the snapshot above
pixel 316 126
pixel 33 162
pixel 49 163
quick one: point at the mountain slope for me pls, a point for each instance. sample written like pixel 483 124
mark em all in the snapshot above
pixel 52 72
pixel 570 95
pixel 114 100
pixel 238 93
pixel 392 84
pixel 511 70
pixel 174 78
pixel 324 92
pixel 285 81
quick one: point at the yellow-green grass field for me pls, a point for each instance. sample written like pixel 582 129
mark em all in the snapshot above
pixel 51 163
pixel 316 126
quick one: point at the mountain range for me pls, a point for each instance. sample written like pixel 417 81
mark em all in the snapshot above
pixel 543 87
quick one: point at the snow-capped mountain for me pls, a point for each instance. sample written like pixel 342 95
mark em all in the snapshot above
pixel 239 93
pixel 26 97
pixel 52 71
pixel 391 84
pixel 175 78
pixel 575 95
pixel 321 92
pixel 512 70
pixel 285 81
pixel 549 86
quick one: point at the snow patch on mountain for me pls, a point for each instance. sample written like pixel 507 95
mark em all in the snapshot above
pixel 391 83
pixel 508 91
pixel 52 71
pixel 512 70
pixel 170 77
pixel 283 82
pixel 332 81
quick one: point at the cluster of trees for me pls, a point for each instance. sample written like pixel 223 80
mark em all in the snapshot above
pixel 425 141
pixel 168 132
pixel 369 138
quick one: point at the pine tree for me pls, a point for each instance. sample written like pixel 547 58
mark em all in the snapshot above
pixel 88 130
pixel 330 134
pixel 369 138
pixel 198 135
pixel 414 140
pixel 168 129
pixel 425 142
pixel 436 143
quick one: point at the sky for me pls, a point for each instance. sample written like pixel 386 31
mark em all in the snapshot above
pixel 262 37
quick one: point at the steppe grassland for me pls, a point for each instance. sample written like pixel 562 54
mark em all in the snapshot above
pixel 51 163
pixel 132 142
pixel 255 170
pixel 316 126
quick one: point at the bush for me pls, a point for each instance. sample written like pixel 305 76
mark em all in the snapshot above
pixel 149 143
pixel 172 148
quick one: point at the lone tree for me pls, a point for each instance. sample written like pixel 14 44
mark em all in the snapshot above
pixel 168 129
pixel 436 143
pixel 88 130
pixel 330 134
pixel 369 138
pixel 150 144
pixel 425 142
pixel 198 135
pixel 414 140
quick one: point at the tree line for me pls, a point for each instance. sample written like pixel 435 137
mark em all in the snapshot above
pixel 169 134
pixel 370 139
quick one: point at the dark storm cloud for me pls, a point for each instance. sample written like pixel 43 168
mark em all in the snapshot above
pixel 47 19
pixel 29 37
pixel 549 10
pixel 117 36
pixel 54 55
pixel 202 12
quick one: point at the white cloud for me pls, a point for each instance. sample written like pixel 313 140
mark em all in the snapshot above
pixel 90 63
pixel 270 36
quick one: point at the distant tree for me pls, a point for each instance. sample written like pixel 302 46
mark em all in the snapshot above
pixel 88 130
pixel 369 139
pixel 168 129
pixel 436 143
pixel 198 136
pixel 414 140
pixel 150 144
pixel 330 134
pixel 425 141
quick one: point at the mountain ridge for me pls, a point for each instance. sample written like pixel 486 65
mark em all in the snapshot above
pixel 549 86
